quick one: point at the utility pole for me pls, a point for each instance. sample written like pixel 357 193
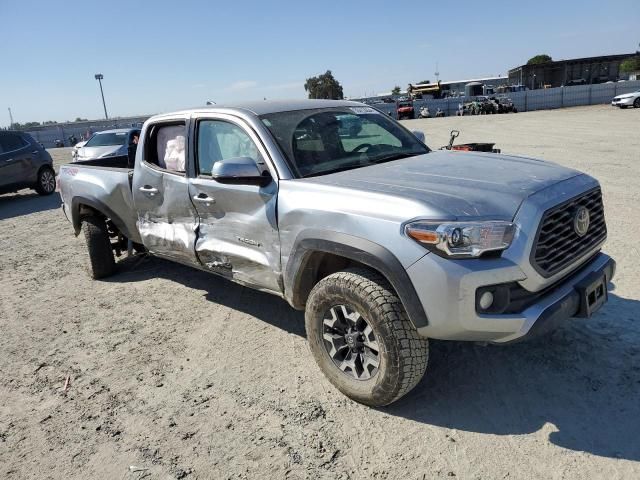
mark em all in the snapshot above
pixel 99 77
pixel 10 118
pixel 437 74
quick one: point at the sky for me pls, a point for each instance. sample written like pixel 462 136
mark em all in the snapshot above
pixel 159 56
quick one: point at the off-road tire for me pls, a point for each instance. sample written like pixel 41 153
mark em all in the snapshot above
pixel 636 103
pixel 403 353
pixel 46 182
pixel 101 259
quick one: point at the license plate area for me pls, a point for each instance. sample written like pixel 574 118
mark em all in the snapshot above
pixel 593 294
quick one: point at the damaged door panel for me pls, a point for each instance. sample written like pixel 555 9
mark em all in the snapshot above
pixel 167 220
pixel 237 235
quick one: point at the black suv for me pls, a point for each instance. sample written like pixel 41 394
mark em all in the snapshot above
pixel 24 163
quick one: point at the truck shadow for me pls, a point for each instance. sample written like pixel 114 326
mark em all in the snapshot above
pixel 264 306
pixel 579 386
pixel 26 202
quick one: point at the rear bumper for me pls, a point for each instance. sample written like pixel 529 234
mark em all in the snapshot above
pixel 447 291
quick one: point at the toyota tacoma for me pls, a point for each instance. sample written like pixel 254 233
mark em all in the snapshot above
pixel 350 217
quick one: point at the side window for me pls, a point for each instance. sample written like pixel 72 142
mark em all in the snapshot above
pixel 220 140
pixel 166 147
pixel 11 142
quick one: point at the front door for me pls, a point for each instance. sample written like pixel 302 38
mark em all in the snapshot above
pixel 16 160
pixel 167 220
pixel 238 232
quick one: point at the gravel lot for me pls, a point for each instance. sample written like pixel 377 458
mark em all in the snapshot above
pixel 186 375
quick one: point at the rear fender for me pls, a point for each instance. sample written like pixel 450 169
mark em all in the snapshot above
pixel 77 213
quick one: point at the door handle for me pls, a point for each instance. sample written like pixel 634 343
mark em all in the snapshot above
pixel 203 198
pixel 9 160
pixel 149 190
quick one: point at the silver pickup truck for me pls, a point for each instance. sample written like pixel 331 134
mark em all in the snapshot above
pixel 347 215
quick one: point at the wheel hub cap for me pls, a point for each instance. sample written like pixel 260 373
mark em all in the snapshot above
pixel 350 342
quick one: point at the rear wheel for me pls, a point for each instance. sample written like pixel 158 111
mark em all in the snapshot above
pixel 101 260
pixel 362 339
pixel 636 103
pixel 46 182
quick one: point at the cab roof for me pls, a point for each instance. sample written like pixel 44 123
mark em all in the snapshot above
pixel 264 107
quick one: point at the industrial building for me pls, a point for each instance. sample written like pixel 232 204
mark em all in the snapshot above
pixel 577 71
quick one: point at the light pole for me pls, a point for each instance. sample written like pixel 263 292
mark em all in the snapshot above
pixel 10 118
pixel 99 77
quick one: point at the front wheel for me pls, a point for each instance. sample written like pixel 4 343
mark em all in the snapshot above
pixel 636 103
pixel 46 182
pixel 362 339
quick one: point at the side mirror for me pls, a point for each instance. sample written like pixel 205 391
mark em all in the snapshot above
pixel 239 171
pixel 419 135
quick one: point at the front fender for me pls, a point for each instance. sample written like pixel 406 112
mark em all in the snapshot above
pixel 298 280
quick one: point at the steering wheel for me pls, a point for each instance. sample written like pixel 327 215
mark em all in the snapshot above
pixel 361 146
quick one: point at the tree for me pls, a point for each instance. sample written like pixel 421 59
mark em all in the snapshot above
pixel 80 119
pixel 630 65
pixel 424 82
pixel 538 59
pixel 324 86
pixel 396 90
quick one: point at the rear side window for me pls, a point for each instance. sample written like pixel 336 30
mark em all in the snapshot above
pixel 166 147
pixel 220 140
pixel 12 141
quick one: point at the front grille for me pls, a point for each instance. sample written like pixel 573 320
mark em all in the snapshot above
pixel 557 244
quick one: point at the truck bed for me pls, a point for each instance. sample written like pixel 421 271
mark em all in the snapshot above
pixel 101 184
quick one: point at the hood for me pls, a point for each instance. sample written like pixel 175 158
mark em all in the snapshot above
pixel 625 95
pixel 456 184
pixel 86 153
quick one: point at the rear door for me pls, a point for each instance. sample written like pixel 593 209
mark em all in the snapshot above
pixel 16 159
pixel 167 220
pixel 238 234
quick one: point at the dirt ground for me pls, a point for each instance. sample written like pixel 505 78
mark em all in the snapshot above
pixel 180 374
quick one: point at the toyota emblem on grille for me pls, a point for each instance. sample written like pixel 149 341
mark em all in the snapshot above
pixel 581 221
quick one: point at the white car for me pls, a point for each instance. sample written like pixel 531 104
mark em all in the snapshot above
pixel 627 100
pixel 107 143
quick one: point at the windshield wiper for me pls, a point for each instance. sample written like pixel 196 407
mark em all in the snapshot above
pixel 388 158
pixel 396 156
pixel 335 170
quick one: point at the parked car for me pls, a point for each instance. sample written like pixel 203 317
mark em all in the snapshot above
pixel 108 143
pixel 627 100
pixel 24 163
pixel 383 242
pixel 505 104
pixel 405 110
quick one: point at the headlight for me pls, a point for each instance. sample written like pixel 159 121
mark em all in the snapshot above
pixel 462 239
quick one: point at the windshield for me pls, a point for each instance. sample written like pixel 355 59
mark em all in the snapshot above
pixel 321 141
pixel 106 139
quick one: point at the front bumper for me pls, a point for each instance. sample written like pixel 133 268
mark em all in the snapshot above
pixel 622 102
pixel 447 291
